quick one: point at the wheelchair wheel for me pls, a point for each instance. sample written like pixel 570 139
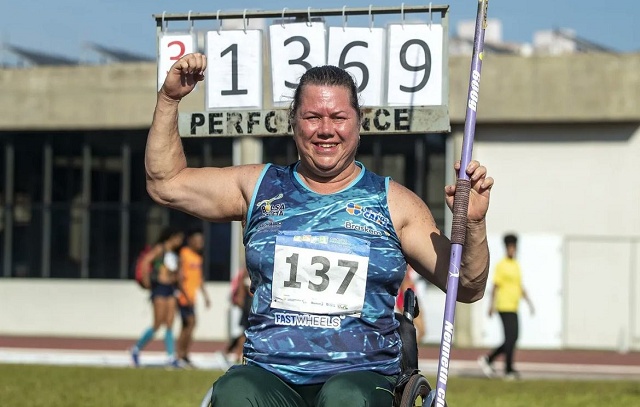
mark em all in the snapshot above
pixel 416 392
pixel 206 401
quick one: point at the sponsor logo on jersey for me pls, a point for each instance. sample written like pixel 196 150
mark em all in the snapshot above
pixel 362 228
pixel 269 225
pixel 269 208
pixel 311 320
pixel 371 215
pixel 376 217
pixel 354 209
pixel 367 213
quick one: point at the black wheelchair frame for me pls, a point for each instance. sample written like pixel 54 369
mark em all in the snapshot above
pixel 411 386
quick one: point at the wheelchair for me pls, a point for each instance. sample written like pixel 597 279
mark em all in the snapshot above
pixel 412 388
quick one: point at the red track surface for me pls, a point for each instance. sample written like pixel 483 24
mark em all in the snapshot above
pixel 570 357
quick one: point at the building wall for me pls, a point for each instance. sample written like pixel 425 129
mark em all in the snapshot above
pixel 559 134
pixel 566 190
pixel 97 309
pixel 538 89
pixel 564 179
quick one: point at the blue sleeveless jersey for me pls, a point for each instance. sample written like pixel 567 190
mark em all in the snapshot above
pixel 325 270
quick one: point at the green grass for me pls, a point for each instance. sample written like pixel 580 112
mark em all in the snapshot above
pixel 63 386
pixel 530 393
pixel 66 386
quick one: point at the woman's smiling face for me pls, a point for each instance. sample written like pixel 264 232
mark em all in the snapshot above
pixel 326 130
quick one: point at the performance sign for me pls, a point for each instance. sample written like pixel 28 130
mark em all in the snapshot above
pixel 275 122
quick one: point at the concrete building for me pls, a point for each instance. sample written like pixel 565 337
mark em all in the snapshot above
pixel 558 133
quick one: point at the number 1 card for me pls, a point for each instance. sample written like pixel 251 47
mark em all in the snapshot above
pixel 234 69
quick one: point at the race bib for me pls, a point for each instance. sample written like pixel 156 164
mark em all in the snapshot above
pixel 320 273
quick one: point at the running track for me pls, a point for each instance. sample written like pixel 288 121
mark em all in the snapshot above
pixel 560 364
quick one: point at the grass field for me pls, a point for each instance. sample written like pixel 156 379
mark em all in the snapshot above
pixel 62 386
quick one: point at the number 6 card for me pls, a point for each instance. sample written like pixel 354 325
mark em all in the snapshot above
pixel 360 51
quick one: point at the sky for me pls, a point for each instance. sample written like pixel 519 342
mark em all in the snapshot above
pixel 63 27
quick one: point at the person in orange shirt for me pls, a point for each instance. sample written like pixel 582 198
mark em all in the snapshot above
pixel 190 281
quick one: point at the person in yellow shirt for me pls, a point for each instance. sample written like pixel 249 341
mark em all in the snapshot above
pixel 190 281
pixel 505 300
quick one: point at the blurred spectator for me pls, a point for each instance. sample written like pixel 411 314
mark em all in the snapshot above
pixel 161 278
pixel 505 299
pixel 189 282
pixel 241 297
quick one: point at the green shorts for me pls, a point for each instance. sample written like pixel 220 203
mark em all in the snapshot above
pixel 246 386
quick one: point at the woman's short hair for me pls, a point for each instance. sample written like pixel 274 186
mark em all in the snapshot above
pixel 326 75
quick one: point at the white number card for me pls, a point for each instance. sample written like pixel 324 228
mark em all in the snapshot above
pixel 320 273
pixel 415 64
pixel 172 48
pixel 234 69
pixel 361 52
pixel 295 48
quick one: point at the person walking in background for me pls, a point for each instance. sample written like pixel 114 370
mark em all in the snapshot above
pixel 505 299
pixel 161 276
pixel 190 281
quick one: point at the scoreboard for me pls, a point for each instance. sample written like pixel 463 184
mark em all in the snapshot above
pixel 400 69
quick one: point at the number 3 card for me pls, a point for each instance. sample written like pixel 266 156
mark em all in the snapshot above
pixel 295 48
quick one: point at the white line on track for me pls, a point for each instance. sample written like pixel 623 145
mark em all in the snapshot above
pixel 216 361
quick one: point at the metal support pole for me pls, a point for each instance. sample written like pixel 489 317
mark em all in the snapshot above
pixel 47 191
pixel 421 167
pixel 9 154
pixel 125 209
pixel 85 243
pixel 301 14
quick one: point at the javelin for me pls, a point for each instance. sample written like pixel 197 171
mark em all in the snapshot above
pixel 460 207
